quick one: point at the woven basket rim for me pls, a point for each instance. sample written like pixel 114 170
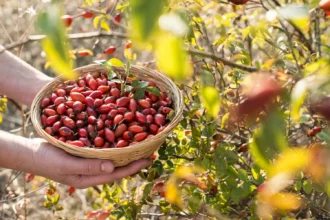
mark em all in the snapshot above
pixel 173 123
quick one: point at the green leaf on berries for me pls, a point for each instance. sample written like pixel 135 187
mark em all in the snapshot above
pixel 135 83
pixel 153 90
pixel 139 94
pixel 111 74
pixel 116 81
pixel 128 88
pixel 143 84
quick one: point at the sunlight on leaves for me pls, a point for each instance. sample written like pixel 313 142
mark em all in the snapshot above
pixel 210 100
pixel 144 18
pixel 116 62
pixel 171 57
pixel 55 44
pixel 172 193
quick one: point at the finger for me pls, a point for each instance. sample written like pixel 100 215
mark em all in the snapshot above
pixel 89 166
pixel 118 173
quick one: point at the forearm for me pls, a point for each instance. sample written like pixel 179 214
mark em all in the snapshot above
pixel 16 152
pixel 19 80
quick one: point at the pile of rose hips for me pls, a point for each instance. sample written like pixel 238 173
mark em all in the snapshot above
pixel 94 112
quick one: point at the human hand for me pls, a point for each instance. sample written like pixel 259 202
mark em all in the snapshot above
pixel 53 163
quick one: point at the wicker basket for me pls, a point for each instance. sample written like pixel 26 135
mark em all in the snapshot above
pixel 119 156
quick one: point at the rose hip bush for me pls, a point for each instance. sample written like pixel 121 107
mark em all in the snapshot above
pixel 255 78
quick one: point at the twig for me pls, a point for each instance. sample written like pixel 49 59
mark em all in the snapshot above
pixel 86 35
pixel 223 60
pixel 159 215
pixel 25 194
pixel 183 157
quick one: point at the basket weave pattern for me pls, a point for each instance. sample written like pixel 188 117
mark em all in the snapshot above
pixel 119 156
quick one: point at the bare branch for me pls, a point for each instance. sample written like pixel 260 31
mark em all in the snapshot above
pixel 223 60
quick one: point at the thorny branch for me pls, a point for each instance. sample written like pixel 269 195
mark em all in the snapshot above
pixel 88 35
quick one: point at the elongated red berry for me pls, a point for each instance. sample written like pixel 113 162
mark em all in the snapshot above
pixel 98 142
pixel 140 117
pixel 112 114
pixel 146 111
pixel 88 14
pixel 117 18
pixel 115 92
pixel 128 135
pixel 159 119
pixel 83 53
pixel 82 132
pixel 49 130
pixel 61 109
pixel 29 177
pixel 61 93
pixel 76 143
pixel 103 89
pixel 90 112
pixel 49 112
pixel 53 97
pixel 45 102
pixel 128 44
pixel 81 116
pixel 98 103
pixel 153 128
pixel 68 122
pixel 122 143
pixel 166 110
pixel 140 136
pixel 52 119
pixel 71 190
pixel 120 130
pixel 59 100
pixel 96 94
pixel 136 129
pixel 77 107
pixel 85 141
pixel 56 126
pixel 144 103
pixel 69 103
pixel 103 109
pixel 123 101
pixel 118 119
pixel 43 120
pixel 67 20
pixel 89 101
pixel 129 116
pixel 80 123
pixel 110 99
pixel 109 135
pixel 149 119
pixel 99 124
pixel 92 120
pixel 110 50
pixel 65 131
pixel 76 96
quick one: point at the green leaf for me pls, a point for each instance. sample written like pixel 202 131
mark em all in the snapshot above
pixel 210 100
pixel 59 208
pixel 324 136
pixel 56 44
pixel 111 74
pixel 224 120
pixel 116 62
pixel 128 88
pixel 144 17
pixel 298 97
pixel 171 56
pixel 307 186
pixel 269 140
pixel 153 90
pixel 143 84
pixel 135 83
pixel 139 94
pixel 116 81
pixel 147 190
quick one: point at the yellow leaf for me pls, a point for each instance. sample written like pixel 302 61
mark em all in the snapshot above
pixel 47 65
pixel 0 118
pixel 171 57
pixel 172 193
pixel 298 96
pixel 210 100
pixel 285 201
pixel 96 21
pixel 58 63
pixel 116 62
pixel 104 25
pixel 290 161
pixel 224 120
pixel 183 171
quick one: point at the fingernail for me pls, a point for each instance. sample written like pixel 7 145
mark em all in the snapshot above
pixel 107 166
